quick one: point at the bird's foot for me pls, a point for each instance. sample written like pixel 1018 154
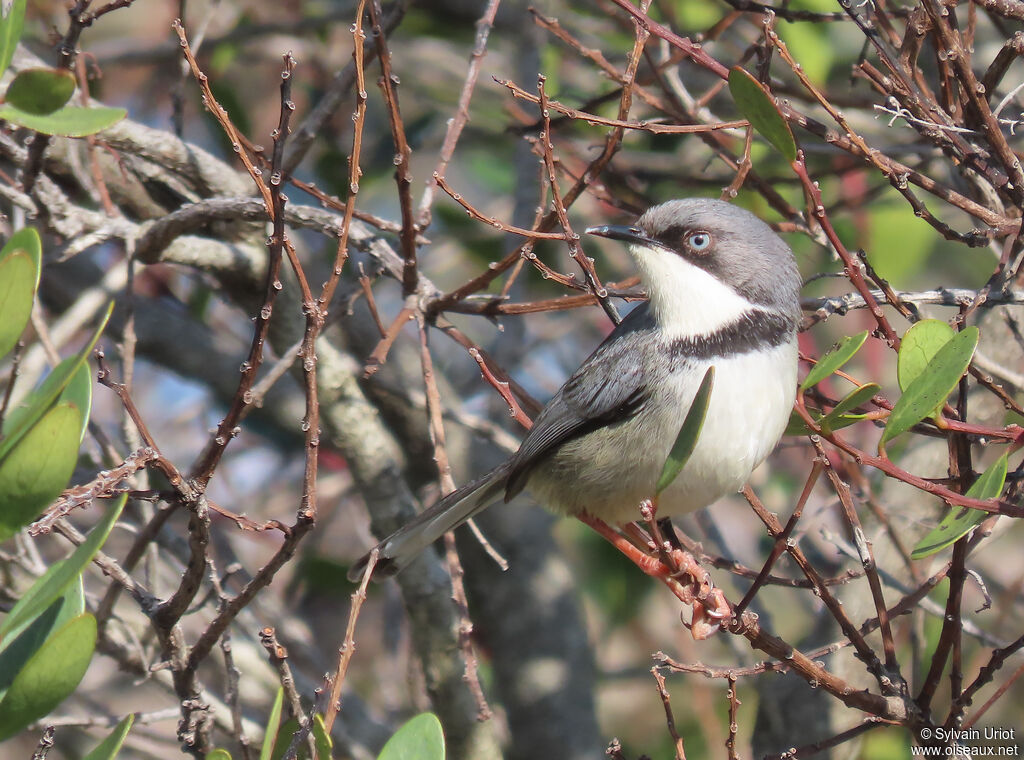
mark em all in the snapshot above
pixel 677 569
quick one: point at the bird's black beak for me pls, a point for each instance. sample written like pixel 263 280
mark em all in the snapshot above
pixel 630 234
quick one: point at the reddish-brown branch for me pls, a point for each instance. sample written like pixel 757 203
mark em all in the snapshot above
pixel 494 221
pixel 103 486
pixel 783 537
pixel 458 123
pixel 354 170
pixel 379 354
pixel 403 154
pixel 207 461
pixel 734 708
pixel 576 251
pixel 654 127
pixel 951 627
pixel 867 559
pixel 692 51
pixel 987 673
pixel 502 387
pixel 951 497
pixel 850 263
pixel 437 438
pixel 670 720
pixel 864 652
pixel 348 646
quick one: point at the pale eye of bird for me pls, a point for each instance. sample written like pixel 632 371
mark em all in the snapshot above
pixel 698 241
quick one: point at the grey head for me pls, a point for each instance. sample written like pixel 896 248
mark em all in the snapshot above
pixel 736 247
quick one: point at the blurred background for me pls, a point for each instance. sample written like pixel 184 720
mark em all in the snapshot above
pixel 563 639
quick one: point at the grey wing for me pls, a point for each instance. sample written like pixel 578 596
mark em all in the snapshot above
pixel 610 386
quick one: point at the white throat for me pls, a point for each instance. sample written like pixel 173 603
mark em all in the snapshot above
pixel 686 300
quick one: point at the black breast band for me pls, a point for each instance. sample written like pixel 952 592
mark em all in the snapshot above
pixel 754 329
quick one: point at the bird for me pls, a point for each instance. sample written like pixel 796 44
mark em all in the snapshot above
pixel 722 290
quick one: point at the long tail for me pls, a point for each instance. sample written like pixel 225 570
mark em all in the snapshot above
pixel 401 547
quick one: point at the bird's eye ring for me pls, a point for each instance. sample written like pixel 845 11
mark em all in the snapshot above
pixel 698 242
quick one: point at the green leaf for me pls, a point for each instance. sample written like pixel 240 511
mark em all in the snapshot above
pixel 856 397
pixel 796 424
pixel 49 676
pixel 109 747
pixel 834 358
pixel 218 754
pixel 961 520
pixel 55 581
pixel 20 262
pixel 284 739
pixel 321 739
pixel 758 107
pixel 931 388
pixel 686 439
pixel 28 642
pixel 838 417
pixel 919 345
pixel 26 239
pixel 16 295
pixel 272 725
pixel 78 391
pixel 40 91
pixel 420 738
pixel 286 732
pixel 10 31
pixel 69 121
pixel 21 419
pixel 36 471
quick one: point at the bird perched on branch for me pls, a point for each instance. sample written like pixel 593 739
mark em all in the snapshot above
pixel 723 291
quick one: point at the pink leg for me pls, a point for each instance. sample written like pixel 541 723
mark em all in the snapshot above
pixel 683 575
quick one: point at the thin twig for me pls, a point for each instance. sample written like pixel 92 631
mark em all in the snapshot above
pixel 348 646
pixel 670 720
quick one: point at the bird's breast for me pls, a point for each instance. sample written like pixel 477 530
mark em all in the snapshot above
pixel 608 472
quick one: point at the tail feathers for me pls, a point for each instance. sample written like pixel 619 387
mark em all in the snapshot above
pixel 401 547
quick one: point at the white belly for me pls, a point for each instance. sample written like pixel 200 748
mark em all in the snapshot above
pixel 750 405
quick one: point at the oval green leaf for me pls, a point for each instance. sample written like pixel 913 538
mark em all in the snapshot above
pixel 420 738
pixel 838 417
pixel 961 520
pixel 931 388
pixel 36 471
pixel 321 739
pixel 50 675
pixel 109 747
pixel 273 723
pixel 28 642
pixel 40 91
pixel 22 418
pixel 919 345
pixel 218 754
pixel 686 439
pixel 69 121
pixel 856 397
pixel 16 296
pixel 55 581
pixel 758 107
pixel 834 358
pixel 20 262
pixel 26 239
pixel 11 23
